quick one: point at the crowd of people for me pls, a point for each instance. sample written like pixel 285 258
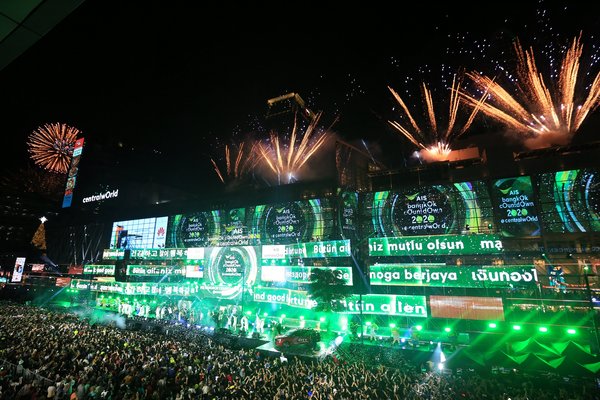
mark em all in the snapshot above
pixel 60 355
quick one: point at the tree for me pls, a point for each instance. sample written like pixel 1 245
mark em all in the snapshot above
pixel 39 238
pixel 328 289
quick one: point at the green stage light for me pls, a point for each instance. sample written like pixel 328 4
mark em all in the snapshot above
pixel 265 314
pixel 282 316
pixel 368 323
pixel 344 323
pixel 571 331
pixel 447 329
pixel 543 329
pixel 392 326
pixel 248 312
pixel 419 327
pixel 322 319
pixel 517 327
pixel 492 325
pixel 302 317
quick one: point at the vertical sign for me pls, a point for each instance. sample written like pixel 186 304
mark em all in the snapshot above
pixel 18 271
pixel 68 198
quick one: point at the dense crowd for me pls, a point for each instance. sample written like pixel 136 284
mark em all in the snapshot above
pixel 55 355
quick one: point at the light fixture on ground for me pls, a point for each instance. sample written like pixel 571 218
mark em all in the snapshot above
pixel 438 358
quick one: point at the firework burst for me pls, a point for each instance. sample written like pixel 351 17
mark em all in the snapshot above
pixel 239 161
pixel 542 116
pixel 51 146
pixel 435 143
pixel 286 158
pixel 34 180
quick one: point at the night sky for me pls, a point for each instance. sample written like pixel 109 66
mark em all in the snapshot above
pixel 175 81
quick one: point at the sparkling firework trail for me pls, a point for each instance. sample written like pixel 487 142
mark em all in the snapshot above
pixel 543 117
pixel 435 144
pixel 287 159
pixel 238 166
pixel 51 146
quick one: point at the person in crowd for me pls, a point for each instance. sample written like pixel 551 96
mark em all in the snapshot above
pixel 62 356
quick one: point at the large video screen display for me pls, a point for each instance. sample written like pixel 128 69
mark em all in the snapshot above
pixel 283 223
pixel 139 233
pixel 440 245
pixel 232 227
pixel 441 275
pixel 429 210
pixel 297 221
pixel 515 208
pixel 225 272
pixel 286 270
pixel 467 307
pixel 570 201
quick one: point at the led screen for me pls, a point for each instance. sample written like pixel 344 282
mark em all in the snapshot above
pixel 217 228
pixel 105 270
pixel 570 201
pixel 284 223
pixel 193 230
pixel 386 304
pixel 299 274
pixel 297 221
pixel 466 307
pixel 440 275
pixel 347 215
pixel 139 233
pixel 436 245
pixel 63 281
pixel 429 210
pixel 154 270
pixel 515 208
pixel 229 270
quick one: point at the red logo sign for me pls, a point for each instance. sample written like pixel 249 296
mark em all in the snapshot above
pixel 160 232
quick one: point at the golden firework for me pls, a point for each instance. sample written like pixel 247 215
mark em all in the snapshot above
pixel 286 158
pixel 51 146
pixel 543 116
pixel 434 143
pixel 239 161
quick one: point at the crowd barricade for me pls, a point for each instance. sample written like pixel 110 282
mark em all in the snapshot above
pixel 13 368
